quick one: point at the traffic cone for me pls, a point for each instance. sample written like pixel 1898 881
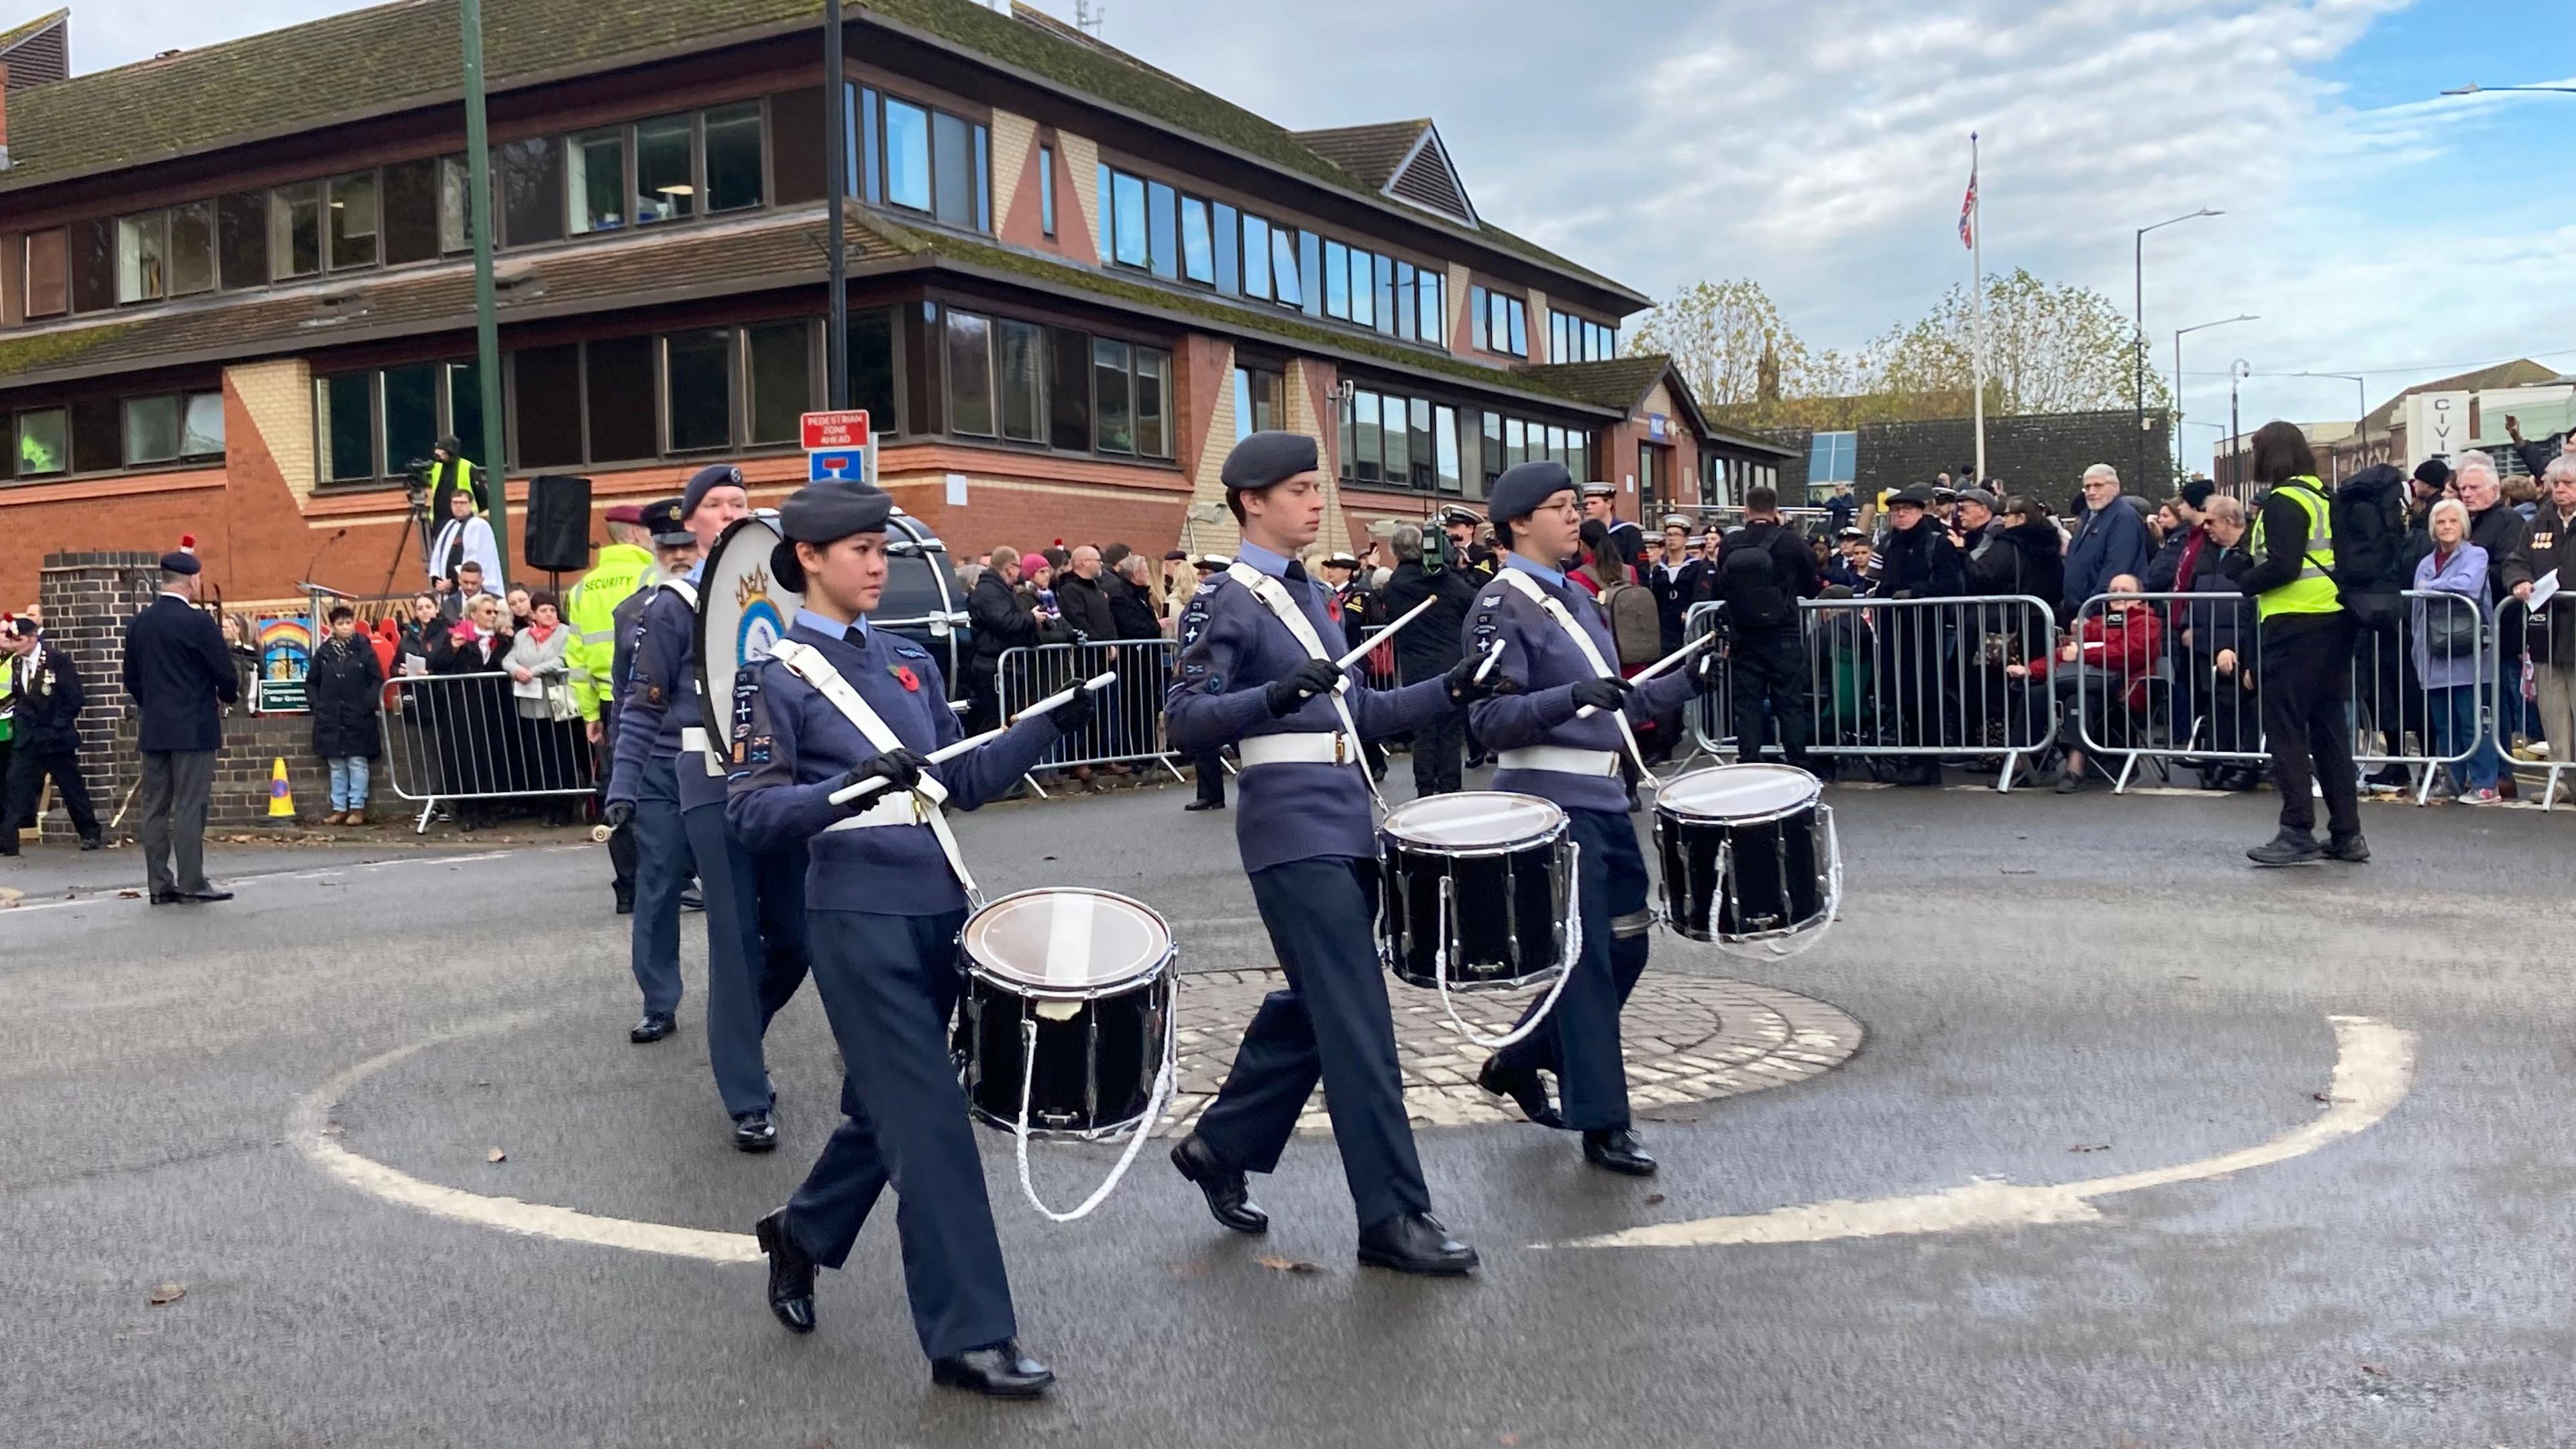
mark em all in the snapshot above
pixel 281 798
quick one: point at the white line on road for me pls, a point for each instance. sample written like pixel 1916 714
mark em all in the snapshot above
pixel 2374 1065
pixel 116 893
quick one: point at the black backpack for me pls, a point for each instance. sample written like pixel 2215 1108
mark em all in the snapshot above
pixel 2370 534
pixel 1750 582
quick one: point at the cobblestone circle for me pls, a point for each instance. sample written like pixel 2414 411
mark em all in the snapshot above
pixel 1686 1039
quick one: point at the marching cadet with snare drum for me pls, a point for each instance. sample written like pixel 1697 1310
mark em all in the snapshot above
pixel 1256 670
pixel 838 703
pixel 1556 645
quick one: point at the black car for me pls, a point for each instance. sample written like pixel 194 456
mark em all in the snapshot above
pixel 923 601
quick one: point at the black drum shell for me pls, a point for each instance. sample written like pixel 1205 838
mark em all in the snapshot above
pixel 1778 865
pixel 1509 903
pixel 1095 1069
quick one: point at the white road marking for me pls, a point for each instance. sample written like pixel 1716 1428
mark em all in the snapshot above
pixel 117 893
pixel 313 1114
pixel 2374 1065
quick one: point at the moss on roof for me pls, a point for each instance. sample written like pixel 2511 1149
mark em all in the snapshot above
pixel 1370 153
pixel 46 349
pixel 17 33
pixel 1616 382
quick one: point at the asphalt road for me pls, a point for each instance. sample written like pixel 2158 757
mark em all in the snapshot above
pixel 2037 975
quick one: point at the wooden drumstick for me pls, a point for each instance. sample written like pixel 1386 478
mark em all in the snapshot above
pixel 1493 656
pixel 1658 667
pixel 1092 685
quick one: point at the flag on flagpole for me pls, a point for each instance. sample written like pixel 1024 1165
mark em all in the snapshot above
pixel 1968 208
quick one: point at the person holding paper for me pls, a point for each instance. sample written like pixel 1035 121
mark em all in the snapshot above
pixel 2534 574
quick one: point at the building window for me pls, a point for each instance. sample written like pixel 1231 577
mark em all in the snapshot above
pixel 873 369
pixel 546 398
pixel 1433 325
pixel 141 242
pixel 1017 366
pixel 617 384
pixel 935 163
pixel 1198 243
pixel 1337 280
pixel 1574 338
pixel 454 184
pixel 1260 401
pixel 295 231
pixel 782 380
pixel 368 425
pixel 529 176
pixel 796 141
pixel 1046 192
pixel 44 443
pixel 201 425
pixel 1127 220
pixel 1153 402
pixel 970 374
pixel 733 157
pixel 1256 257
pixel 93 265
pixel 1444 441
pixel 411 211
pixel 1227 239
pixel 665 175
pixel 1364 308
pixel 1068 386
pixel 1831 458
pixel 1110 391
pixel 47 275
pixel 697 389
pixel 595 180
pixel 353 220
pixel 1162 229
pixel 346 427
pixel 411 413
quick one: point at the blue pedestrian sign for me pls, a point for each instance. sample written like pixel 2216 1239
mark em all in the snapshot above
pixel 846 465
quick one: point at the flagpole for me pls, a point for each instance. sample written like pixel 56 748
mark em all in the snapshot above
pixel 1977 298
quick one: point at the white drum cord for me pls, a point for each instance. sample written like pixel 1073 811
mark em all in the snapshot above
pixel 1163 1081
pixel 1781 948
pixel 1573 958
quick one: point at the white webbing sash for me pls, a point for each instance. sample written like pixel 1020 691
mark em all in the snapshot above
pixel 1274 596
pixel 1529 589
pixel 807 663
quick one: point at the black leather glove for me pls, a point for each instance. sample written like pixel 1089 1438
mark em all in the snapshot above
pixel 1706 669
pixel 1307 680
pixel 1074 715
pixel 899 768
pixel 1602 693
pixel 618 813
pixel 1466 688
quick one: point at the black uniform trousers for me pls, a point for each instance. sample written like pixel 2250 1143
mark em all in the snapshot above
pixel 1332 1024
pixel 889 985
pixel 1767 670
pixel 1580 1041
pixel 755 950
pixel 1210 765
pixel 2307 687
pixel 29 765
pixel 1437 743
pixel 621 841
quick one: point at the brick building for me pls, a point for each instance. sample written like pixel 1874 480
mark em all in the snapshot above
pixel 235 298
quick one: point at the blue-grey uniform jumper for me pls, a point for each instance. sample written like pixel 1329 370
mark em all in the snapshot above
pixel 885 911
pixel 755 899
pixel 1580 1041
pixel 1310 844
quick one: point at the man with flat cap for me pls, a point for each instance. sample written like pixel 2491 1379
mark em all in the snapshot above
pixel 179 675
pixel 835 704
pixel 1558 650
pixel 1257 669
pixel 755 916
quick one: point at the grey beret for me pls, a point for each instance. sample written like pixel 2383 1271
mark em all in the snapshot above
pixel 829 512
pixel 712 476
pixel 1523 487
pixel 1265 459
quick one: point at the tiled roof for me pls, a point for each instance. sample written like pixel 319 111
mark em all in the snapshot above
pixel 575 279
pixel 264 84
pixel 1370 153
pixel 17 33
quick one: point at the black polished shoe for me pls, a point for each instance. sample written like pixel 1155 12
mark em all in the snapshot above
pixel 654 1026
pixel 1415 1243
pixel 692 899
pixel 205 896
pixel 626 904
pixel 998 1372
pixel 2290 847
pixel 791 1273
pixel 1205 805
pixel 93 843
pixel 754 1132
pixel 2350 849
pixel 1616 1149
pixel 1523 1087
pixel 166 898
pixel 1229 1200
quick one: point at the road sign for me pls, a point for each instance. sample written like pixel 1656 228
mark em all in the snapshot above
pixel 833 432
pixel 847 465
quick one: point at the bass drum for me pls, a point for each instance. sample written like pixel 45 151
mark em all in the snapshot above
pixel 743 610
pixel 1070 991
pixel 1478 892
pixel 1749 856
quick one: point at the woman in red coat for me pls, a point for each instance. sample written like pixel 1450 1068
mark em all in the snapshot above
pixel 2110 654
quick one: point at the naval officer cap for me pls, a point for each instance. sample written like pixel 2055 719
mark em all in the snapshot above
pixel 830 512
pixel 1525 486
pixel 661 518
pixel 1267 459
pixel 705 481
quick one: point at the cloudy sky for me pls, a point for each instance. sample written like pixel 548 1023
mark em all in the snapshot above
pixel 1820 147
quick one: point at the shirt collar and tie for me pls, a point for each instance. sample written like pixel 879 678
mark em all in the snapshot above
pixel 1535 570
pixel 854 634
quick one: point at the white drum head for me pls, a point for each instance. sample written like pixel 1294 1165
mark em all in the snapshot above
pixel 1475 820
pixel 1067 941
pixel 1740 792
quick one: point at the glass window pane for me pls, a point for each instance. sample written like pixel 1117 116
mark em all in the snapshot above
pixel 665 188
pixel 595 180
pixel 907 148
pixel 1444 442
pixel 1016 375
pixel 201 426
pixel 1396 441
pixel 464 383
pixel 44 443
pixel 1384 317
pixel 93 267
pixel 1418 428
pixel 141 269
pixel 1520 328
pixel 295 231
pixel 151 429
pixel 454 181
pixel 1435 311
pixel 1368 433
pixel 872 369
pixel 1405 310
pixel 1127 217
pixel 1287 283
pixel 411 211
pixel 620 391
pixel 1153 394
pixel 983 180
pixel 347 427
pixel 952 184
pixel 1226 237
pixel 1476 318
pixel 1364 289
pixel 1046 190
pixel 782 380
pixel 46 274
pixel 1309 262
pixel 1243 426
pixel 1198 246
pixel 1110 387
pixel 698 389
pixel 1337 280
pixel 546 394
pixel 1515 443
pixel 796 141
pixel 353 220
pixel 1256 257
pixel 1068 390
pixel 1100 221
pixel 970 374
pixel 1162 228
pixel 733 157
pixel 411 412
pixel 870 117
pixel 531 186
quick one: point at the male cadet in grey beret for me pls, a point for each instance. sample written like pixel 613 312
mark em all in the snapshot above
pixel 887 903
pixel 1545 750
pixel 1249 678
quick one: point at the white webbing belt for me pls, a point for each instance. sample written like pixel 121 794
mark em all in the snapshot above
pixel 1306 747
pixel 1563 760
pixel 807 663
pixel 1528 588
pixel 1274 596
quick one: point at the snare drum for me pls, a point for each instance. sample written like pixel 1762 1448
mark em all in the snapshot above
pixel 1091 974
pixel 1482 880
pixel 1748 853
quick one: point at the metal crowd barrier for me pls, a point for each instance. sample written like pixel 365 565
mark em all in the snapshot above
pixel 1378 665
pixel 2173 678
pixel 2522 669
pixel 1127 723
pixel 1712 715
pixel 453 737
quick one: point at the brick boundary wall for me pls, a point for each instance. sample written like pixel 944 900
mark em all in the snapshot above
pixel 2041 453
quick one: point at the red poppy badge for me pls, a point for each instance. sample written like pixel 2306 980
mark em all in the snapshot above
pixel 904 676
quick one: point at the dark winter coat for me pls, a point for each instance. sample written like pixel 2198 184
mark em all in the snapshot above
pixel 2023 560
pixel 2109 541
pixel 1430 644
pixel 1085 607
pixel 1003 620
pixel 341 687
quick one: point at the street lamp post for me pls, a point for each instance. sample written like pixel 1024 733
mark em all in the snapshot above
pixel 2178 336
pixel 2361 396
pixel 2237 372
pixel 2138 323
